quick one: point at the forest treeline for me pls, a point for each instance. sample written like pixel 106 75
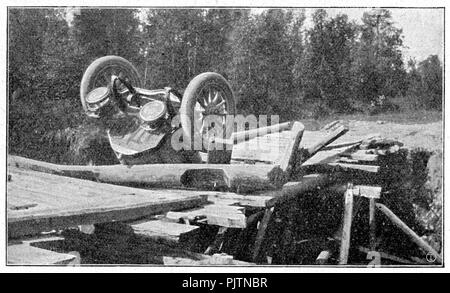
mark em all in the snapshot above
pixel 275 62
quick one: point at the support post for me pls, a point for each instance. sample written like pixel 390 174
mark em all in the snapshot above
pixel 347 224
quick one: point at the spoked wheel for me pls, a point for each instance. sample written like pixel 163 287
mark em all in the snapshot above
pixel 208 99
pixel 99 73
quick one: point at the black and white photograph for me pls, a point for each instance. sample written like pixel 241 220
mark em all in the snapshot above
pixel 219 136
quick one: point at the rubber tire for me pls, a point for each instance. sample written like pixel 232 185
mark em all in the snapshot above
pixel 89 76
pixel 195 87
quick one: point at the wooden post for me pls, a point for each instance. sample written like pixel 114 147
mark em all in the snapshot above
pixel 408 231
pixel 262 232
pixel 372 224
pixel 347 224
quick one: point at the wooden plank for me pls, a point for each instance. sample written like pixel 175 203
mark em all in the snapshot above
pixel 209 176
pixel 241 136
pixel 24 254
pixel 290 153
pixel 161 229
pixel 346 226
pixel 329 156
pixel 327 139
pixel 366 168
pixel 362 155
pixel 371 192
pixel 268 149
pixel 408 231
pixel 262 229
pixel 226 216
pixel 189 215
pixel 58 205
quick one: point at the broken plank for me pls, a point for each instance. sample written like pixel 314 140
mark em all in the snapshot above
pixel 24 254
pixel 329 156
pixel 327 139
pixel 162 229
pixel 290 153
pixel 225 216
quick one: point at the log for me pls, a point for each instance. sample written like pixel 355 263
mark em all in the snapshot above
pixel 408 231
pixel 201 176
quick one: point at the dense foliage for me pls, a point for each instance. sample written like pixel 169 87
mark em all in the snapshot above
pixel 275 63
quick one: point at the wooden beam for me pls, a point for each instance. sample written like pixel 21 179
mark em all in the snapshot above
pixel 226 216
pixel 371 192
pixel 241 136
pixel 262 229
pixel 204 176
pixel 366 168
pixel 327 139
pixel 408 231
pixel 289 157
pixel 346 226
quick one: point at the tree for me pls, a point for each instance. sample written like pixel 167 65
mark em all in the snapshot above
pixel 430 71
pixel 378 59
pixel 326 67
pixel 261 70
pixel 102 32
